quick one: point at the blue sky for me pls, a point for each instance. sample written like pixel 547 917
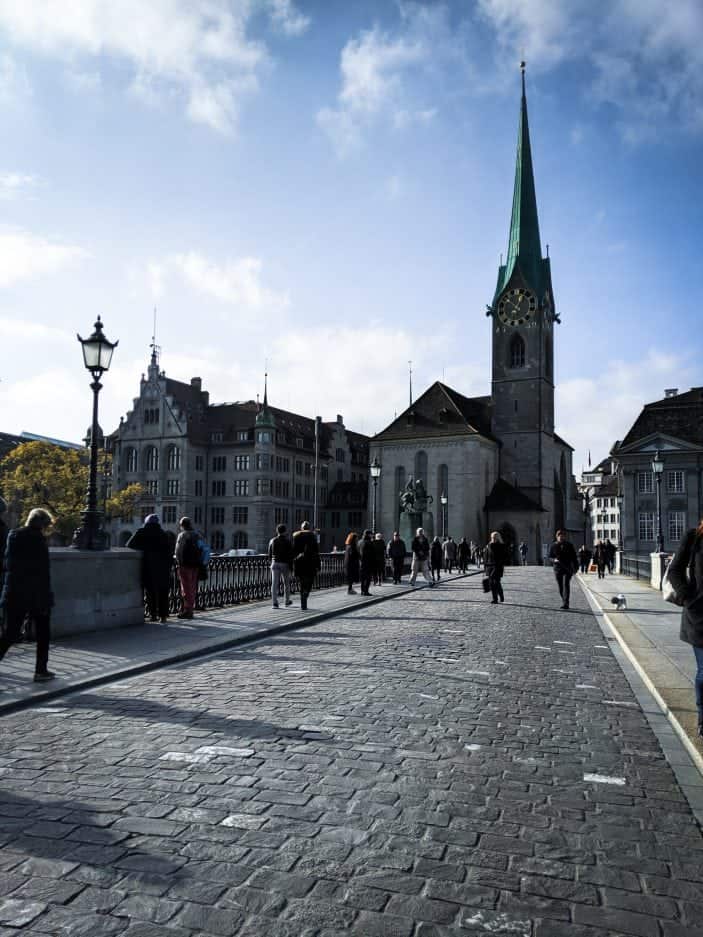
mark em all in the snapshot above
pixel 326 186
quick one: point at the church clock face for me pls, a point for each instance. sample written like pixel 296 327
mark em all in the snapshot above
pixel 517 306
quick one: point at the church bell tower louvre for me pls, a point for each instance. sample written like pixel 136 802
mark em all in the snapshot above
pixel 523 317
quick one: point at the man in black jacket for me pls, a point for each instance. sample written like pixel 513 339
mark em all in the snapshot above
pixel 397 551
pixel 421 557
pixel 27 588
pixel 565 561
pixel 306 561
pixel 281 556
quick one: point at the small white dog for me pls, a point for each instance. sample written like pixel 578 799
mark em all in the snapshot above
pixel 620 602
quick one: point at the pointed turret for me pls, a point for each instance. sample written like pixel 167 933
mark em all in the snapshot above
pixel 265 417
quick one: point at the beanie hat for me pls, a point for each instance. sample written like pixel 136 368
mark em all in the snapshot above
pixel 151 519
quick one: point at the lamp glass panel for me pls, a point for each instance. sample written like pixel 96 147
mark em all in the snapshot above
pixel 91 354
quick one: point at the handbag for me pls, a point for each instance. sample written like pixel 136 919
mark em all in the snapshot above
pixel 486 584
pixel 669 593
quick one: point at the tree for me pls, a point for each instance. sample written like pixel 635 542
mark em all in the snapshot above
pixel 124 503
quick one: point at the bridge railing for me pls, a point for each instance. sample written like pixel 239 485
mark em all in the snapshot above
pixel 639 567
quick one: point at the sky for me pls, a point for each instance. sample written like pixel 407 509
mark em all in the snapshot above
pixel 323 189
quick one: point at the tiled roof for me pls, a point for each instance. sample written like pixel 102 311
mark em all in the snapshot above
pixel 680 416
pixel 441 411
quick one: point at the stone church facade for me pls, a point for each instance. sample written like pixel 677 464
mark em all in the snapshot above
pixel 497 459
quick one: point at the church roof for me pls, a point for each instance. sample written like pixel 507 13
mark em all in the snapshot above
pixel 506 497
pixel 441 411
pixel 680 416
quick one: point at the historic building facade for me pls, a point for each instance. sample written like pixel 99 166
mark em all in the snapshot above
pixel 236 469
pixel 497 459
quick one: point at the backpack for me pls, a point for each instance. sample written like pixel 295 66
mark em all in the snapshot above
pixel 205 550
pixel 191 551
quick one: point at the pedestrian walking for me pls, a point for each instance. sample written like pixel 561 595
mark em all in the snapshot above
pixel 397 551
pixel 463 554
pixel 494 565
pixel 280 553
pixel 610 552
pixel 436 559
pixel 686 576
pixel 449 554
pixel 565 562
pixel 351 562
pixel 522 550
pixel 420 547
pixel 190 560
pixel 157 559
pixel 584 558
pixel 26 589
pixel 367 559
pixel 306 560
pixel 379 572
pixel 600 558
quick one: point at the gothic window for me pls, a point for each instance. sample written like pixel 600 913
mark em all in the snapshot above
pixel 421 467
pixel 517 352
pixel 132 459
pixel 174 458
pixel 152 459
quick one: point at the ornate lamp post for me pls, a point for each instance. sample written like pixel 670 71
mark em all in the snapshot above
pixel 443 500
pixel 97 355
pixel 658 470
pixel 375 469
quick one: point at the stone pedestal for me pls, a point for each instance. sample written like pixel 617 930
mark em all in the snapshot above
pixel 410 522
pixel 95 590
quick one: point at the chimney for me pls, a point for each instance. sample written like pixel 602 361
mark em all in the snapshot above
pixel 196 383
pixel 671 392
pixel 340 419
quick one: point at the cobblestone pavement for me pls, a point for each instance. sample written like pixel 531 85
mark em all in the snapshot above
pixel 433 765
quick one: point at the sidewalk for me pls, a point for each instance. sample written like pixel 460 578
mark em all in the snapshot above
pixel 649 634
pixel 90 659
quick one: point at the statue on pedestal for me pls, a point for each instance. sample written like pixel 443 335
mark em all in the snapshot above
pixel 414 513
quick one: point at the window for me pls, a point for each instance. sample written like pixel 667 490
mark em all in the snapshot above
pixel 152 459
pixel 240 515
pixel 243 435
pixel 323 495
pixel 674 482
pixel 307 492
pixel 151 415
pixel 132 460
pixel 198 488
pixel 280 516
pixel 215 437
pixel 263 486
pixel 298 442
pixel 308 469
pixel 197 515
pixel 264 436
pixel 174 459
pixel 263 461
pixel 152 487
pixel 646 531
pixel 323 472
pixel 217 516
pixel 517 352
pixel 645 483
pixel 241 487
pixel 168 514
pixel 298 516
pixel 298 467
pixel 240 540
pixel 199 463
pixel 339 455
pixel 677 523
pixel 421 467
pixel 241 463
pixel 340 475
pixel 298 491
pixel 172 486
pixel 281 489
pixel 335 519
pixel 217 540
pixel 282 464
pixel 355 519
pixel 219 463
pixel 219 489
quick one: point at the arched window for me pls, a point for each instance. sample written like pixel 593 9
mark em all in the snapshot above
pixel 399 485
pixel 517 352
pixel 240 540
pixel 131 459
pixel 442 482
pixel 217 541
pixel 421 467
pixel 174 458
pixel 152 459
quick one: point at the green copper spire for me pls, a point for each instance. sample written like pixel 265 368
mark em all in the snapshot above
pixel 265 417
pixel 524 245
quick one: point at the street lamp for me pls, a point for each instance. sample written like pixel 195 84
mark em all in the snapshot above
pixel 97 355
pixel 586 513
pixel 443 500
pixel 375 469
pixel 658 470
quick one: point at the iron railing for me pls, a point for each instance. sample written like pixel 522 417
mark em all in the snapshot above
pixel 639 567
pixel 235 579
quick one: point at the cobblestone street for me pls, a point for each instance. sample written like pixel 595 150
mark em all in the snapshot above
pixel 431 765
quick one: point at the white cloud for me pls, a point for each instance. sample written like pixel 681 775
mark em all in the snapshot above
pixel 14 183
pixel 25 330
pixel 15 87
pixel 24 256
pixel 198 50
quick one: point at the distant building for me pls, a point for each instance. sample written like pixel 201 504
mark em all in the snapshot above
pixel 237 469
pixel 9 441
pixel 602 485
pixel 672 426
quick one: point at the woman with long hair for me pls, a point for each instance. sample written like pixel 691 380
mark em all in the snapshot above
pixel 686 576
pixel 351 562
pixel 494 564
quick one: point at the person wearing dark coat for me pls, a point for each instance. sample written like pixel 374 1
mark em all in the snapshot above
pixel 26 588
pixel 157 560
pixel 351 562
pixel 397 551
pixel 280 553
pixel 436 559
pixel 463 552
pixel 3 536
pixel 610 551
pixel 565 562
pixel 686 576
pixel 367 556
pixel 494 564
pixel 584 558
pixel 306 561
pixel 420 547
pixel 600 558
pixel 379 546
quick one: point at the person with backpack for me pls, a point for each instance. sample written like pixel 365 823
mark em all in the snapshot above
pixel 189 559
pixel 367 561
pixel 685 574
pixel 306 561
pixel 281 556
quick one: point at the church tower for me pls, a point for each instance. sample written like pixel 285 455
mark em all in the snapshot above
pixel 523 317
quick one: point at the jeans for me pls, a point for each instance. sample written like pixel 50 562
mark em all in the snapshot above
pixel 188 577
pixel 494 578
pixel 698 651
pixel 419 566
pixel 280 571
pixel 564 583
pixel 14 617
